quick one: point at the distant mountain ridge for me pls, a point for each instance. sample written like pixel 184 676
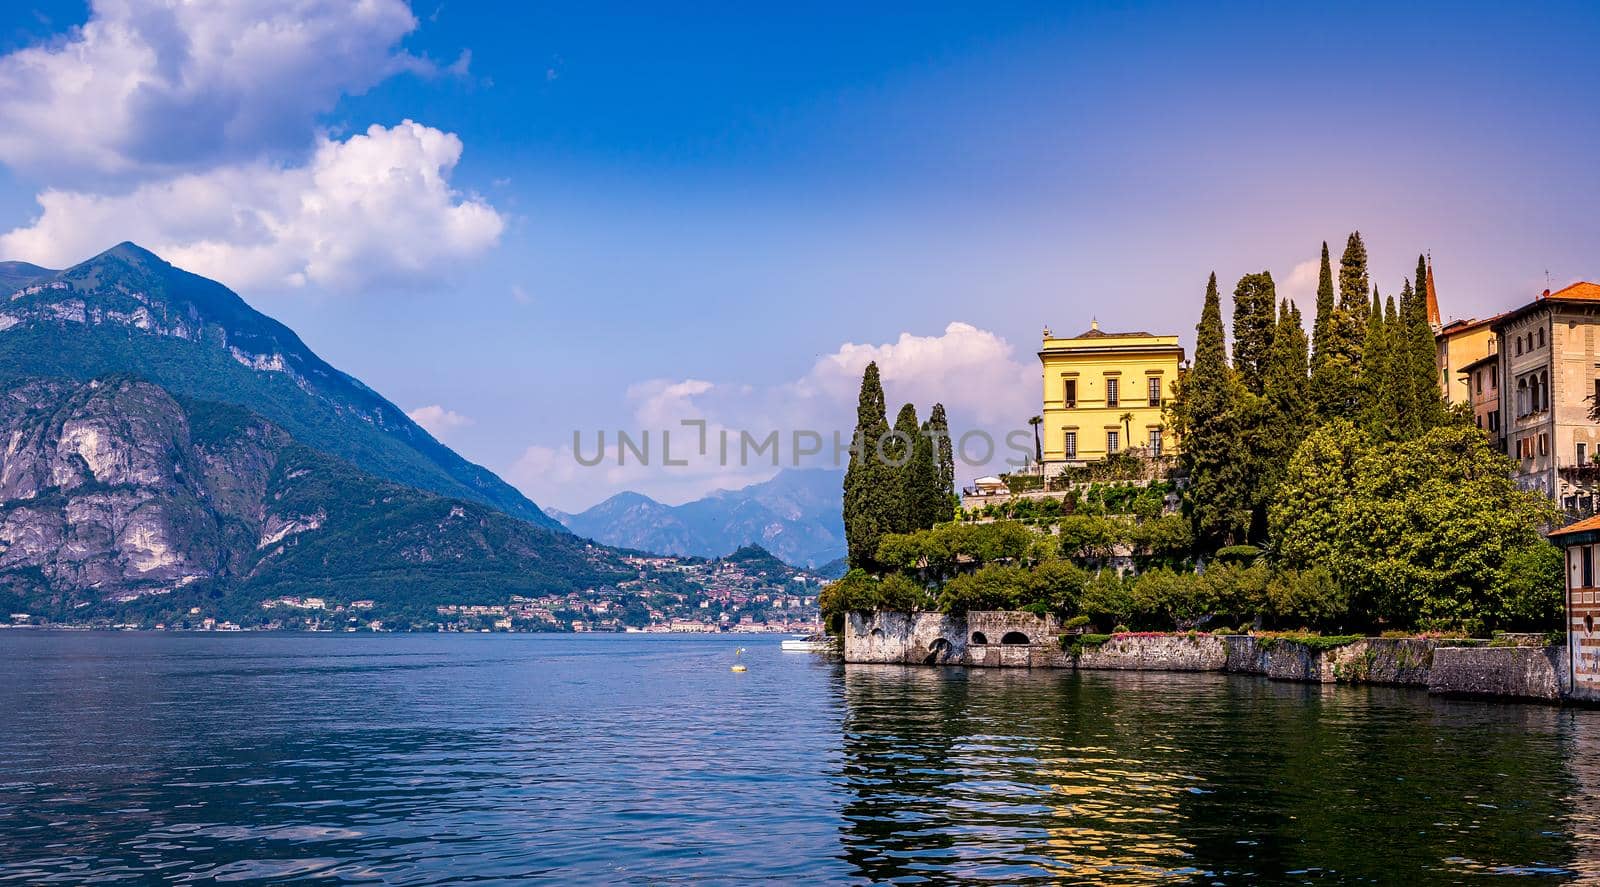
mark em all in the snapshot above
pixel 113 491
pixel 128 311
pixel 797 516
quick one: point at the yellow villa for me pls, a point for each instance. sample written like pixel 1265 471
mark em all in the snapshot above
pixel 1103 394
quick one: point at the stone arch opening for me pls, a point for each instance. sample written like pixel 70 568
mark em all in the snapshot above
pixel 979 637
pixel 939 649
pixel 1014 637
pixel 876 634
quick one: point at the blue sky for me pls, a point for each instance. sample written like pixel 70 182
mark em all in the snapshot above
pixel 691 214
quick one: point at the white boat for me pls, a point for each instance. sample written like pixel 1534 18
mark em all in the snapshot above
pixel 806 645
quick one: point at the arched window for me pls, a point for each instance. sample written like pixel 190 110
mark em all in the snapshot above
pixel 1014 637
pixel 979 638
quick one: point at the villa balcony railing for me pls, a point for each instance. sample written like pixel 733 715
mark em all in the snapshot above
pixel 1587 474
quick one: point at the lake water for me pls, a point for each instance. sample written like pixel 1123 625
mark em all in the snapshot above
pixel 584 759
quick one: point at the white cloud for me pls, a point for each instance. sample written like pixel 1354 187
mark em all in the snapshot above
pixel 157 87
pixel 437 420
pixel 374 208
pixel 978 376
pixel 1300 286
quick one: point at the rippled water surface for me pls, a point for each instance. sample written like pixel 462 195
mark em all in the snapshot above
pixel 426 759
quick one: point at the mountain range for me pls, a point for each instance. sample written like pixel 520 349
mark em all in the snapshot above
pixel 166 443
pixel 128 311
pixel 796 516
pixel 113 491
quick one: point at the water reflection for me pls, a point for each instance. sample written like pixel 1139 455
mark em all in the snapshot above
pixel 420 760
pixel 1154 778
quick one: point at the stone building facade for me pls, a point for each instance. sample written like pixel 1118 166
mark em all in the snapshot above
pixel 1549 375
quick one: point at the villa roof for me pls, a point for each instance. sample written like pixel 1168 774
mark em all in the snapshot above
pixel 1588 525
pixel 1097 333
pixel 1582 291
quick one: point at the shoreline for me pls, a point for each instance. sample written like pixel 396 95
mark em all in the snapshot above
pixel 1006 639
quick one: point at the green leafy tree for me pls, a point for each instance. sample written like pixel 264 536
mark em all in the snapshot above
pixel 871 496
pixel 1309 599
pixel 1418 532
pixel 991 587
pixel 1254 302
pixel 1107 599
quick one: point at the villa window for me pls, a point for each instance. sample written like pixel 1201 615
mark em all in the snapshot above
pixel 1544 444
pixel 1477 380
pixel 1541 337
pixel 1072 445
pixel 1155 441
pixel 1583 453
pixel 1519 345
pixel 1113 443
pixel 1155 390
pixel 1113 396
pixel 1071 395
pixel 1586 559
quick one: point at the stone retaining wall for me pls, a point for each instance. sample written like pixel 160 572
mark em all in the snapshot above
pixel 1522 672
pixel 1132 652
pixel 1002 639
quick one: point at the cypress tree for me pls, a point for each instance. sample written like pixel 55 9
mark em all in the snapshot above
pixel 1286 398
pixel 1254 301
pixel 1208 423
pixel 1335 378
pixel 1353 281
pixel 869 490
pixel 904 515
pixel 1324 317
pixel 928 503
pixel 1424 353
pixel 938 429
pixel 1408 408
pixel 1376 381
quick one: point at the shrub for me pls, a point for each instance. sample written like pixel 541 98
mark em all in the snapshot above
pixel 1057 585
pixel 994 587
pixel 1091 537
pixel 1238 554
pixel 1531 586
pixel 1106 598
pixel 1309 597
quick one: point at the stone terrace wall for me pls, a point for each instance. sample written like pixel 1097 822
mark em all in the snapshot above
pixel 1525 672
pixel 1135 652
pixel 936 639
pixel 910 638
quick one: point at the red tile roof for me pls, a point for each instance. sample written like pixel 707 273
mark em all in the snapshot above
pixel 1583 526
pixel 1583 290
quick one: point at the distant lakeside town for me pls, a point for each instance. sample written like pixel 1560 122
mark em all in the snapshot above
pixel 749 591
